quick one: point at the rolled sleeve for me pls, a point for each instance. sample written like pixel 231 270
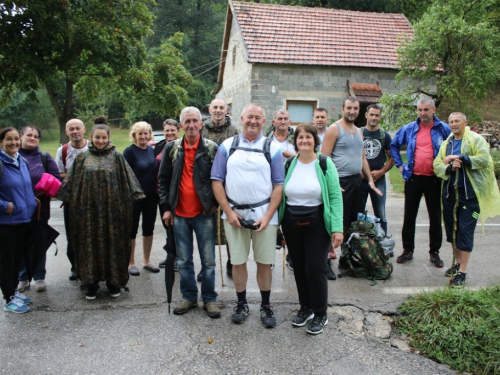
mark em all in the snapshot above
pixel 278 169
pixel 219 166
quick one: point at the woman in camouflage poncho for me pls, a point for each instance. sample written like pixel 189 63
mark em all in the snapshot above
pixel 101 188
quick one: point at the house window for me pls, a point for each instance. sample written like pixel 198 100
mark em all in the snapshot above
pixel 301 110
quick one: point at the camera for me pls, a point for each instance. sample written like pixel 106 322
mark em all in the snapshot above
pixel 249 224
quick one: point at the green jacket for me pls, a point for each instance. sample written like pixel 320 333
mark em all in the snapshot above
pixel 480 173
pixel 330 192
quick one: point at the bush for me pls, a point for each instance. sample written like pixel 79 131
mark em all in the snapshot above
pixel 456 327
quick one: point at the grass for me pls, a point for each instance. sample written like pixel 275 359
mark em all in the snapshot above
pixel 456 327
pixel 118 136
pixel 397 180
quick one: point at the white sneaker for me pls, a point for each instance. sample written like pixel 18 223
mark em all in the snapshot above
pixel 40 285
pixel 23 285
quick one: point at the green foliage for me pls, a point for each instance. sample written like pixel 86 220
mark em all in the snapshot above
pixel 396 178
pixel 456 327
pixel 54 43
pixel 495 155
pixel 398 110
pixel 456 46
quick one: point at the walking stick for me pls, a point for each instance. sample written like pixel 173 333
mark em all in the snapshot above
pixel 220 253
pixel 454 237
pixel 284 258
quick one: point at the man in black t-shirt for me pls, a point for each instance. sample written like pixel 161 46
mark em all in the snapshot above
pixel 378 153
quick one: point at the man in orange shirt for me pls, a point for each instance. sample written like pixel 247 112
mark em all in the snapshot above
pixel 188 202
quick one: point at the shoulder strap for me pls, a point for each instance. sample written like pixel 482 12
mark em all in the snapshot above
pixel 64 153
pixel 1 169
pixel 175 149
pixel 45 160
pixel 287 165
pixel 322 163
pixel 266 148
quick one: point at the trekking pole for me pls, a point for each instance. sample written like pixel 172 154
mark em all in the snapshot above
pixel 454 237
pixel 220 252
pixel 284 259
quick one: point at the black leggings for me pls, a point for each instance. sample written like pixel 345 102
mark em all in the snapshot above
pixel 308 246
pixel 14 239
pixel 148 208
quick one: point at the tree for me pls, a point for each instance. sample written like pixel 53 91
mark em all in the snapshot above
pixel 457 48
pixel 56 43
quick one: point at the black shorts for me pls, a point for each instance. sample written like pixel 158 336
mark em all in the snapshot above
pixel 466 219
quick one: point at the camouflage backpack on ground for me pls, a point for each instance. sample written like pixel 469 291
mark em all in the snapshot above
pixel 364 255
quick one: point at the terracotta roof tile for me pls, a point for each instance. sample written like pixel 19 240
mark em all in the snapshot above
pixel 319 36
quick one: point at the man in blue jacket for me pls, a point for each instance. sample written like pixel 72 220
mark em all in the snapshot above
pixel 423 139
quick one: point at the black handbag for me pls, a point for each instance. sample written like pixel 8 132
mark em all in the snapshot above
pixel 304 216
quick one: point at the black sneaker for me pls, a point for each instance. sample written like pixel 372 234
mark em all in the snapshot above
pixel 92 291
pixel 453 270
pixel 163 263
pixel 405 257
pixel 317 324
pixel 303 316
pixel 72 275
pixel 241 312
pixel 434 258
pixel 229 269
pixel 289 262
pixel 330 275
pixel 198 278
pixel 176 266
pixel 458 281
pixel 267 317
pixel 114 291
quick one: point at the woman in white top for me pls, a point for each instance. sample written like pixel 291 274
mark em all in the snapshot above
pixel 311 218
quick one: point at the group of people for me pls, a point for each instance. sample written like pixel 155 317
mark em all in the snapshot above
pixel 311 181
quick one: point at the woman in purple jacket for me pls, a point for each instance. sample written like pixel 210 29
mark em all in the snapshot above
pixel 39 163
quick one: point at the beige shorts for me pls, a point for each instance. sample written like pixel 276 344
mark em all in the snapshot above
pixel 263 244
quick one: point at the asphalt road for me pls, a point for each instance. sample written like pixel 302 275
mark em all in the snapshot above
pixel 66 334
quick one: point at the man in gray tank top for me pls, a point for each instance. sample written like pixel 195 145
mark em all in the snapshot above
pixel 344 143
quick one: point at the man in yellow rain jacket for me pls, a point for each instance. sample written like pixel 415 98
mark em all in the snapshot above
pixel 469 188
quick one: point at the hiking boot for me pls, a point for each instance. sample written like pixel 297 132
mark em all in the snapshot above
pixel 212 309
pixel 16 306
pixel 198 278
pixel 23 285
pixel 229 269
pixel 434 258
pixel 40 285
pixel 453 270
pixel 92 291
pixel 330 275
pixel 405 257
pixel 267 317
pixel 458 281
pixel 184 307
pixel 72 275
pixel 163 263
pixel 289 262
pixel 241 312
pixel 303 316
pixel 317 324
pixel 22 297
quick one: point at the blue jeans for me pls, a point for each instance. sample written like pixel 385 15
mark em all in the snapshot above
pixel 204 228
pixel 39 271
pixel 378 202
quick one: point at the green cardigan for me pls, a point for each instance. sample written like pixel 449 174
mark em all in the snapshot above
pixel 330 192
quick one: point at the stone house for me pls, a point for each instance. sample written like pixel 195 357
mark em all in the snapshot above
pixel 303 58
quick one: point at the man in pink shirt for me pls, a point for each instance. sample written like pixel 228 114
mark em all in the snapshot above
pixel 423 139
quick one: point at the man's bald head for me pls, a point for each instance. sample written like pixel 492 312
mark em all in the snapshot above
pixel 75 130
pixel 218 111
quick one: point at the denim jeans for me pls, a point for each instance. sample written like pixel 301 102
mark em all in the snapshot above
pixel 378 202
pixel 204 229
pixel 39 270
